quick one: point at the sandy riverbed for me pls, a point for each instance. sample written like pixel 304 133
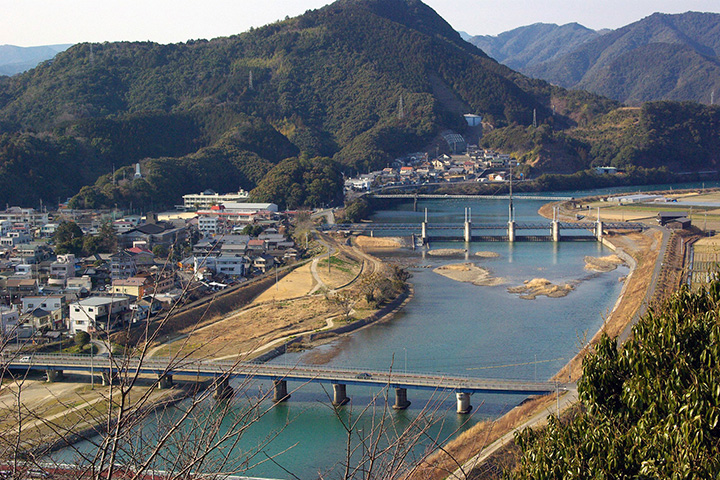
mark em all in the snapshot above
pixel 447 252
pixel 603 264
pixel 469 273
pixel 531 289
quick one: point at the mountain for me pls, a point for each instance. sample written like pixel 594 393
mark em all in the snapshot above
pixel 360 81
pixel 526 46
pixel 15 60
pixel 670 57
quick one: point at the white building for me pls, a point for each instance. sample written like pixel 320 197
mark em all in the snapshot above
pixel 50 303
pixel 62 269
pixel 208 198
pixel 25 215
pixel 99 313
pixel 230 265
pixel 9 318
pixel 473 120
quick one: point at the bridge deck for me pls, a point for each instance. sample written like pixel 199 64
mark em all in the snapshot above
pixel 304 373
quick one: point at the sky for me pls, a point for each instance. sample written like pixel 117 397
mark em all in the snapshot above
pixel 47 22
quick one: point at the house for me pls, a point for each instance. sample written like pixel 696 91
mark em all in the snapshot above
pixel 133 286
pixel 263 262
pixel 256 245
pixel 62 269
pixel 43 320
pixel 122 265
pixel 19 287
pixel 9 320
pixel 50 303
pixel 94 314
pixel 161 233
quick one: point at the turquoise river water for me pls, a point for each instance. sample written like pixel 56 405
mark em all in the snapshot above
pixel 450 327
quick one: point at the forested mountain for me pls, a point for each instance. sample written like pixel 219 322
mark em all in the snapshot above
pixel 526 46
pixel 15 59
pixel 328 83
pixel 345 88
pixel 661 57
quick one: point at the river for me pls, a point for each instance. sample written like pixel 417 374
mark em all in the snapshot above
pixel 448 327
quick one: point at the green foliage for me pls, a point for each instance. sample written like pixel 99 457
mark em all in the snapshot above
pixel 252 230
pixel 82 338
pixel 651 409
pixel 301 182
pixel 160 251
pixel 356 210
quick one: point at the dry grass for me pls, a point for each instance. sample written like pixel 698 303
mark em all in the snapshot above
pixel 443 462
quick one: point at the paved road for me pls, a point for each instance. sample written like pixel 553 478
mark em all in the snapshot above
pixel 314 373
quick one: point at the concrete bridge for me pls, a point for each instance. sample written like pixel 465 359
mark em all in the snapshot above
pixel 430 196
pixel 509 232
pixel 112 368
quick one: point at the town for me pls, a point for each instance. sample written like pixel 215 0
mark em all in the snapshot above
pixel 66 271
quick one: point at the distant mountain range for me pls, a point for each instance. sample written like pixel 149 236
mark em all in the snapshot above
pixel 14 60
pixel 533 44
pixel 661 57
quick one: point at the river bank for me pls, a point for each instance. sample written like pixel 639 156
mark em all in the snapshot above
pixel 641 251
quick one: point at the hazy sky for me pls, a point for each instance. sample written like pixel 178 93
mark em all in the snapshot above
pixel 44 22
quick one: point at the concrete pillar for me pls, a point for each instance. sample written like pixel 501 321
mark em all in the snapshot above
pixel 108 378
pixel 555 231
pixel 339 394
pixel 401 401
pixel 468 231
pixel 223 389
pixel 165 381
pixel 280 391
pixel 423 233
pixel 599 230
pixel 511 231
pixel 54 375
pixel 463 402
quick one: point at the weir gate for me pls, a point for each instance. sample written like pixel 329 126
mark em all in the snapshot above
pixel 468 231
pixel 113 369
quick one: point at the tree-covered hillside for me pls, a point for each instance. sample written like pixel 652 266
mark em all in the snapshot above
pixel 679 136
pixel 650 409
pixel 328 83
pixel 661 57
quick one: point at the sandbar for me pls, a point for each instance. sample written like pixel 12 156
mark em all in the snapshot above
pixel 531 289
pixel 469 273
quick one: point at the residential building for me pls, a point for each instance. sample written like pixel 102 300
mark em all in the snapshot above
pixel 9 319
pixel 42 319
pixel 50 303
pixel 99 313
pixel 122 265
pixel 25 215
pixel 62 269
pixel 133 286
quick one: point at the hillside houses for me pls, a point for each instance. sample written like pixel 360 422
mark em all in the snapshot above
pixel 475 164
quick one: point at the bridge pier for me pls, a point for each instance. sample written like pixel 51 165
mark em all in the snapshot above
pixel 511 231
pixel 223 390
pixel 423 230
pixel 599 230
pixel 109 378
pixel 468 226
pixel 339 394
pixel 165 381
pixel 401 401
pixel 280 393
pixel 555 231
pixel 463 403
pixel 54 375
